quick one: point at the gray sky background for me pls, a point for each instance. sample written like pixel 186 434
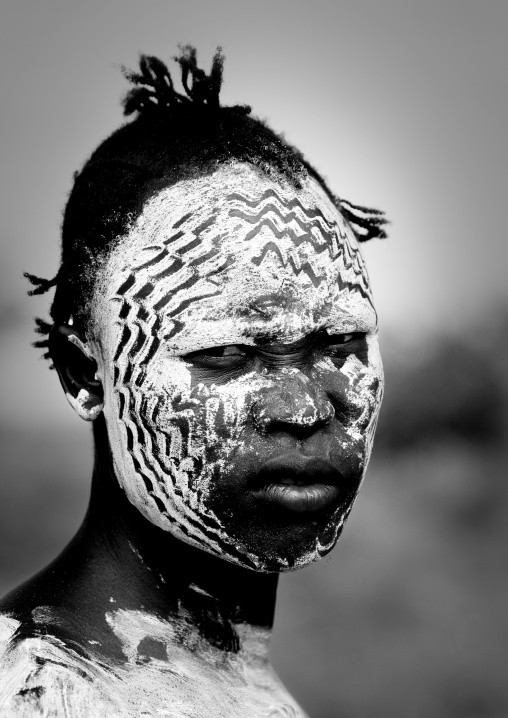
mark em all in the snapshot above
pixel 402 105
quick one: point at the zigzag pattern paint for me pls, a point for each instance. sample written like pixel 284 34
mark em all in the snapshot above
pixel 215 261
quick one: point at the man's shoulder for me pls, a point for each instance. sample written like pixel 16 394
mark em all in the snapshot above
pixel 40 676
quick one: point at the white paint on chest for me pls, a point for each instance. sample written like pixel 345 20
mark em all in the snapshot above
pixel 41 676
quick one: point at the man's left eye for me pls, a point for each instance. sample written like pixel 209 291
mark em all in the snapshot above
pixel 338 340
pixel 227 357
pixel 340 346
pixel 343 338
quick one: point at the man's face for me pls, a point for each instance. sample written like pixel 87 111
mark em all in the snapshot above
pixel 236 342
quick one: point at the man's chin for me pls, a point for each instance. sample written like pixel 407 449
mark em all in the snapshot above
pixel 288 548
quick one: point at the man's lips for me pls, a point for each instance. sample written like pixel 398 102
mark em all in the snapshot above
pixel 302 483
pixel 297 469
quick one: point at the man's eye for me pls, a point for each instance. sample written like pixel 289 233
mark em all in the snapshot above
pixel 339 346
pixel 227 357
pixel 342 338
pixel 230 350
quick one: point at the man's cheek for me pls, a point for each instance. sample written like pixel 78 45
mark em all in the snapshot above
pixel 366 397
pixel 196 432
pixel 221 424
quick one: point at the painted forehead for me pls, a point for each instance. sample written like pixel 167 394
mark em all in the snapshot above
pixel 234 255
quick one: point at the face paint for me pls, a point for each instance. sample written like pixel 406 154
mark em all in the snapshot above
pixel 234 260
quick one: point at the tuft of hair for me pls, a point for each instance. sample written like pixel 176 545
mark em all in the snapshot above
pixel 41 327
pixel 154 90
pixel 41 285
pixel 366 222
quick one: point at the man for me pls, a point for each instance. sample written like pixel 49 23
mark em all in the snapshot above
pixel 213 318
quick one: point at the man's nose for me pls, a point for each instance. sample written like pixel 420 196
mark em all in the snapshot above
pixel 294 404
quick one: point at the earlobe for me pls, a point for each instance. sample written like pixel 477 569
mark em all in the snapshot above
pixel 77 370
pixel 85 404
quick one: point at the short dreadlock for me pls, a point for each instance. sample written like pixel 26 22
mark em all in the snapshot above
pixel 174 136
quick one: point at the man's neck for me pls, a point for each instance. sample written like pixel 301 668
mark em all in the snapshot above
pixel 139 567
pixel 121 574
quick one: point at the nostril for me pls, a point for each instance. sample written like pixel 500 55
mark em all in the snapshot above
pixel 273 418
pixel 299 431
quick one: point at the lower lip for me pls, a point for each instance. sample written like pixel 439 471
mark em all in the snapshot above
pixel 313 497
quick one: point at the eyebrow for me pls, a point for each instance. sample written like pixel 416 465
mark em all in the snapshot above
pixel 308 341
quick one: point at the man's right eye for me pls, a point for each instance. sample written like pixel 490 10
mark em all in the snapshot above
pixel 231 356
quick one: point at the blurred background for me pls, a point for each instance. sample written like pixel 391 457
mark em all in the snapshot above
pixel 402 105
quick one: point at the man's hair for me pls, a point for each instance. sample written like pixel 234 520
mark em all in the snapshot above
pixel 173 136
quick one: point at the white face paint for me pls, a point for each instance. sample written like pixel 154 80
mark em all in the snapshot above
pixel 230 259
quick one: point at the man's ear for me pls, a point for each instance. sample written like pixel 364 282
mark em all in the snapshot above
pixel 77 371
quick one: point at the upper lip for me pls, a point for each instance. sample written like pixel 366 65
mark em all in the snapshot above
pixel 295 468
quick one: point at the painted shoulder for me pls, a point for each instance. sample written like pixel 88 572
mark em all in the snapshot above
pixel 41 677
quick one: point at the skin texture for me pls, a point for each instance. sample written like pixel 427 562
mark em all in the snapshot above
pixel 232 374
